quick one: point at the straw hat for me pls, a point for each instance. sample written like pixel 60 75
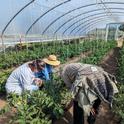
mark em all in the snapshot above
pixel 51 60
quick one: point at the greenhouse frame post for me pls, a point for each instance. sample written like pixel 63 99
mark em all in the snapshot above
pixel 106 35
pixel 116 33
pixel 3 46
pixel 97 34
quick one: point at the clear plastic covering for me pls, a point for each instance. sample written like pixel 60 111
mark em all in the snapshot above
pixel 51 19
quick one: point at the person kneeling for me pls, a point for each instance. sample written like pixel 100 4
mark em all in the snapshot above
pixel 23 78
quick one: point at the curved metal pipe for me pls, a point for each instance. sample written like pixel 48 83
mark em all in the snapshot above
pixel 91 20
pixel 79 16
pixel 15 16
pixel 77 9
pixel 85 28
pixel 90 24
pixel 78 21
pixel 45 14
pixel 82 24
pixel 81 20
pixel 90 27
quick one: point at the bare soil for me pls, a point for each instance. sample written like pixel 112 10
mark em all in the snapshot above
pixel 68 117
pixel 5 119
pixel 110 64
pixel 2 102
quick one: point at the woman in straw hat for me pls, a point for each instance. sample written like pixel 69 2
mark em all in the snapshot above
pixel 50 62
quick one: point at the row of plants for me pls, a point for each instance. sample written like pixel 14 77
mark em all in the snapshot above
pixel 40 107
pixel 40 50
pixel 47 104
pixel 99 52
pixel 118 102
pixel 73 50
pixel 16 57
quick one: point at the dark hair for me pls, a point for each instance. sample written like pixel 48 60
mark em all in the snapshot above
pixel 39 64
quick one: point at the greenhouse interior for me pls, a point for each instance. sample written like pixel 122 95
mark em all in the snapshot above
pixel 61 62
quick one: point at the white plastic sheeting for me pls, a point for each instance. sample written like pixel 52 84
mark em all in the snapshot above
pixel 47 19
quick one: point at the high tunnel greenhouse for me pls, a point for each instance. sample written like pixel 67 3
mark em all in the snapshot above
pixel 40 40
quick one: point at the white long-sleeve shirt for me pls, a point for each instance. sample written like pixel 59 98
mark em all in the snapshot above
pixel 20 79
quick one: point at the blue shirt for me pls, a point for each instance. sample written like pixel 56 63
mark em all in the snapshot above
pixel 45 73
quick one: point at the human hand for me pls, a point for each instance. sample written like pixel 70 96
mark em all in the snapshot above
pixel 38 82
pixel 69 105
pixel 93 111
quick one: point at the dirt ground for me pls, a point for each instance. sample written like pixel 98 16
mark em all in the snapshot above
pixel 109 63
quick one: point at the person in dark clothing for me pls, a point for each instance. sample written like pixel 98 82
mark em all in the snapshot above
pixel 90 85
